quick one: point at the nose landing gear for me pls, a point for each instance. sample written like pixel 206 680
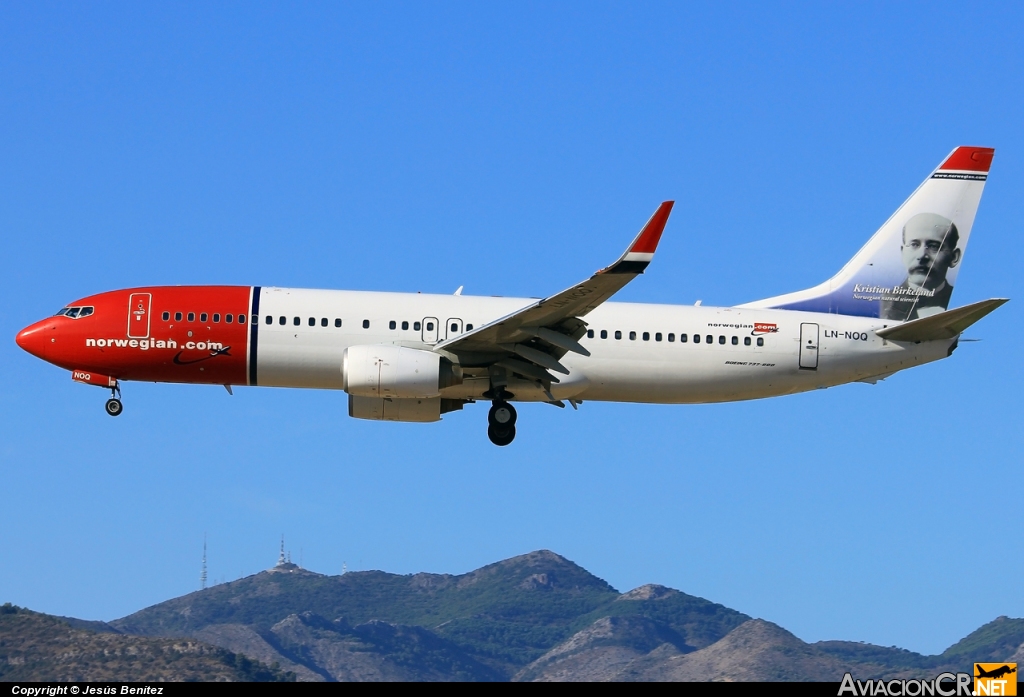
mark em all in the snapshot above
pixel 113 405
pixel 501 422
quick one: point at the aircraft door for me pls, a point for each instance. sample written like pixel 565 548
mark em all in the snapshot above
pixel 808 346
pixel 453 327
pixel 430 330
pixel 138 315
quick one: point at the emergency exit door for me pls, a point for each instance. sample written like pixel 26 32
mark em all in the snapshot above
pixel 430 330
pixel 453 327
pixel 808 346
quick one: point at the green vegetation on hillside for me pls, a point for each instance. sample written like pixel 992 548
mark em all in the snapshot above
pixel 994 641
pixel 508 613
pixel 37 647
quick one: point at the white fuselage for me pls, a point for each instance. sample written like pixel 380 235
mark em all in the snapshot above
pixel 641 366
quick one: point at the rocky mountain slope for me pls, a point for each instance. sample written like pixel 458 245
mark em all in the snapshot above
pixel 40 648
pixel 533 617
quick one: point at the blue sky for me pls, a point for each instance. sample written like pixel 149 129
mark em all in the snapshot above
pixel 512 149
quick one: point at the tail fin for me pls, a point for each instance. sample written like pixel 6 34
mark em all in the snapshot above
pixel 908 268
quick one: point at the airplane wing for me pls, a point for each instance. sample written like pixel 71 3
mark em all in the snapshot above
pixel 531 340
pixel 944 325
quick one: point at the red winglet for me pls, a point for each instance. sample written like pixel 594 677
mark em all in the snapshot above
pixel 970 159
pixel 647 241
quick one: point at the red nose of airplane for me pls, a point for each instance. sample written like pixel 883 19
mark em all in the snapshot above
pixel 35 339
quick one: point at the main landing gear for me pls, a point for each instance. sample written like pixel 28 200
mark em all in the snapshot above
pixel 501 422
pixel 113 405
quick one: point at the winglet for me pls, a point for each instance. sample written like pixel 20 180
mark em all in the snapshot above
pixel 641 251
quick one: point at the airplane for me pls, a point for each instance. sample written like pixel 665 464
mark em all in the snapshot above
pixel 995 673
pixel 413 357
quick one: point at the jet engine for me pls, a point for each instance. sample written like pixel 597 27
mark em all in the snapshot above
pixel 396 372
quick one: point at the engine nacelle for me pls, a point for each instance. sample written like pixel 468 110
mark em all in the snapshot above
pixel 396 372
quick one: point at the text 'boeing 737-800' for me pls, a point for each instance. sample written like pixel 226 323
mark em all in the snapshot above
pixel 414 357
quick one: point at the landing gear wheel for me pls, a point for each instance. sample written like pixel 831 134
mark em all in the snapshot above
pixel 501 436
pixel 502 415
pixel 114 407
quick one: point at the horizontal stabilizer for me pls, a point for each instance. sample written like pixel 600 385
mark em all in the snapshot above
pixel 945 325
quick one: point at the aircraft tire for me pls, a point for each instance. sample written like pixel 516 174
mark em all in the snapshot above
pixel 114 407
pixel 501 437
pixel 502 415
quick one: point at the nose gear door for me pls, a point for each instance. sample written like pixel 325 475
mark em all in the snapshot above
pixel 138 315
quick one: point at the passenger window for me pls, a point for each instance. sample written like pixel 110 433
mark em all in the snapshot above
pixel 416 326
pixel 191 317
pixel 696 338
pixel 760 341
pixel 455 328
pixel 430 326
pixel 392 324
pixel 202 317
pixel 709 339
pixel 366 324
pixel 671 337
pixel 632 336
pixel 216 317
pixel 312 321
pixel 229 318
pixel 405 326
pixel 647 336
pixel 657 337
pixel 282 320
pixel 323 321
pixel 469 327
pixel 296 321
pixel 590 333
pixel 618 334
pixel 604 333
pixel 166 316
pixel 721 339
pixel 270 319
pixel 177 316
pixel 746 341
pixel 682 338
pixel 735 341
pixel 337 322
pixel 241 319
pixel 86 311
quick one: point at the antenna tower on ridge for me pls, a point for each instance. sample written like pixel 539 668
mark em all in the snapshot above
pixel 202 574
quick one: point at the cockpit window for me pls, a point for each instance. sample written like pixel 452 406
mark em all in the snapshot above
pixel 75 312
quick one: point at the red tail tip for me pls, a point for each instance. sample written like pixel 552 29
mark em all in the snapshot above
pixel 971 159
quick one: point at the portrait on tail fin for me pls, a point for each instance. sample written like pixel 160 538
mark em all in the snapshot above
pixel 908 268
pixel 929 250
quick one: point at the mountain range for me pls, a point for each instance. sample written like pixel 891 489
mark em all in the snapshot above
pixel 535 617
